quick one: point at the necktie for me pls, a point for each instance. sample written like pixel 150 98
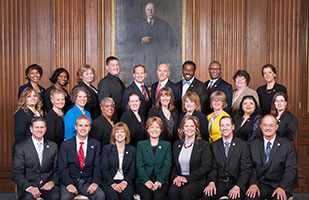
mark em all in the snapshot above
pixel 81 157
pixel 210 84
pixel 40 152
pixel 267 153
pixel 145 94
pixel 184 82
pixel 226 148
pixel 158 89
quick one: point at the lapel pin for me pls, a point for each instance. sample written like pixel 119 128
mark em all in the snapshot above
pixel 159 147
pixel 126 152
pixel 92 147
pixel 278 144
pixel 215 85
pixel 233 144
pixel 179 145
pixel 191 85
pixel 47 146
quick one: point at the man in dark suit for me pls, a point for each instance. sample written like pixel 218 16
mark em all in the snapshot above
pixel 216 83
pixel 112 86
pixel 138 86
pixel 35 165
pixel 274 164
pixel 79 164
pixel 163 72
pixel 190 83
pixel 231 167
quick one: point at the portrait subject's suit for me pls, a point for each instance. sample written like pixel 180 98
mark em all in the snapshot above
pixel 226 88
pixel 229 171
pixel 144 107
pixel 281 169
pixel 175 89
pixel 112 86
pixel 27 170
pixel 200 89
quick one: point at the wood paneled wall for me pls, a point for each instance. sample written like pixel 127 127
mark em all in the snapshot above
pixel 241 34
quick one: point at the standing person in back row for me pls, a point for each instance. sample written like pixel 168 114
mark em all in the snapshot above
pixel 112 86
pixel 191 83
pixel 216 83
pixel 267 92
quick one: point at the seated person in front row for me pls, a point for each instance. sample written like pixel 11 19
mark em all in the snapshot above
pixel 79 164
pixel 274 164
pixel 35 165
pixel 118 165
pixel 231 166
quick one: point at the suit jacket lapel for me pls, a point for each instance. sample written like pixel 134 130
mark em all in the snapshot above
pixel 45 152
pixel 262 150
pixel 74 149
pixel 149 150
pixel 90 152
pixel 231 149
pixel 115 155
pixel 274 150
pixel 33 152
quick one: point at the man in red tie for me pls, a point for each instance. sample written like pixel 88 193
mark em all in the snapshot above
pixel 80 175
pixel 138 86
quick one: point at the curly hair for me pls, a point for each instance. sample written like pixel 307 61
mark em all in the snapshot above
pixel 22 101
pixel 75 92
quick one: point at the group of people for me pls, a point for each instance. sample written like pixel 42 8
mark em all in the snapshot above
pixel 187 140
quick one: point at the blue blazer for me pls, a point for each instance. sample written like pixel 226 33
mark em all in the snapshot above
pixel 70 171
pixel 110 163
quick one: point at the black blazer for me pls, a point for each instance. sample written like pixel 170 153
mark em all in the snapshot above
pixel 157 112
pixel 93 105
pixel 55 128
pixel 27 170
pixel 175 89
pixel 48 103
pixel 287 126
pixel 42 90
pixel 203 123
pixel 266 96
pixel 282 168
pixel 226 88
pixel 101 130
pixel 200 89
pixel 22 121
pixel 237 165
pixel 69 169
pixel 112 86
pixel 137 132
pixel 200 161
pixel 144 108
pixel 110 164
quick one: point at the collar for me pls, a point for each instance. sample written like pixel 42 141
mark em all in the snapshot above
pixel 271 142
pixel 78 141
pixel 35 141
pixel 214 80
pixel 187 82
pixel 163 83
pixel 229 140
pixel 139 84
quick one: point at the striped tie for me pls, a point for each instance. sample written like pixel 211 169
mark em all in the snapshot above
pixel 267 153
pixel 226 148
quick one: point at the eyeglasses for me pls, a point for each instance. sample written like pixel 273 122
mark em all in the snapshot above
pixel 268 125
pixel 214 69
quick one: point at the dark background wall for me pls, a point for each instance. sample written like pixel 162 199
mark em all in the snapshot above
pixel 241 34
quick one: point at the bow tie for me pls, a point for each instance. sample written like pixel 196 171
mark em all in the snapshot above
pixel 185 82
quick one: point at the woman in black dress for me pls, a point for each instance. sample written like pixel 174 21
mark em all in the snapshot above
pixel 267 92
pixel 167 112
pixel 85 77
pixel 191 106
pixel 33 74
pixel 287 121
pixel 248 119
pixel 59 79
pixel 134 120
pixel 54 117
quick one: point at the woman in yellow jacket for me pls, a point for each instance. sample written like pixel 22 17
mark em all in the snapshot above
pixel 217 103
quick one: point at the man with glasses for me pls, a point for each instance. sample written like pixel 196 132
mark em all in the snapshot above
pixel 216 83
pixel 274 164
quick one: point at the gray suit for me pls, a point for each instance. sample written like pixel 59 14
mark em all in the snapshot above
pixel 28 172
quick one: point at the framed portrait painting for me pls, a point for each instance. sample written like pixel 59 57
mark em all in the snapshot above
pixel 148 33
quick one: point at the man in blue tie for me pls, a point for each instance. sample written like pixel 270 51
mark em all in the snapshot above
pixel 274 164
pixel 191 83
